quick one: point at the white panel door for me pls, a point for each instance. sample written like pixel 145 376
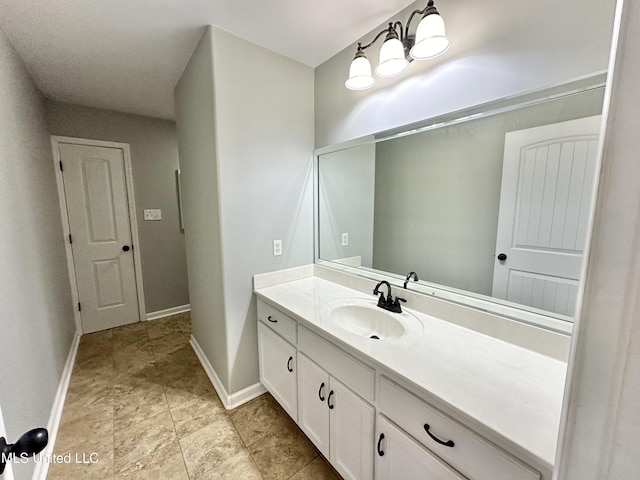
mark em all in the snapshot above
pixel 313 410
pixel 351 433
pixel 99 222
pixel 398 456
pixel 545 201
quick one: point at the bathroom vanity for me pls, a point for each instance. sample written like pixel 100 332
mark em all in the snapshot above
pixel 408 395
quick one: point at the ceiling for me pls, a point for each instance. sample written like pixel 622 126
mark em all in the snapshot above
pixel 128 55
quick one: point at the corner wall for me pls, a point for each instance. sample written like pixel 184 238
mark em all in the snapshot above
pixel 245 128
pixel 154 160
pixel 36 325
pixel 196 124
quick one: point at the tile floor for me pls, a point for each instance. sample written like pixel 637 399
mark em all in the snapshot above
pixel 140 400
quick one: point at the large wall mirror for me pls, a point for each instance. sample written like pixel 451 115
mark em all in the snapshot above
pixel 489 206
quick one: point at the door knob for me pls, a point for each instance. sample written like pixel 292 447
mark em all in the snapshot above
pixel 29 444
pixel 126 248
pixel 502 257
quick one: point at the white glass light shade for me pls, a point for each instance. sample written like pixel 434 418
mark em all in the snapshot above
pixel 360 74
pixel 392 61
pixel 430 38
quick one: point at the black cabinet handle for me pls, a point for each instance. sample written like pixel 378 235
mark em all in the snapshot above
pixel 448 443
pixel 289 364
pixel 271 319
pixel 320 392
pixel 502 257
pixel 126 248
pixel 331 405
pixel 380 438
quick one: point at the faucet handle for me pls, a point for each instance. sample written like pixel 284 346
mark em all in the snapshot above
pixel 398 300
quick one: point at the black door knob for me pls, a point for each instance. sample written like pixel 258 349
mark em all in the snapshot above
pixel 126 248
pixel 502 257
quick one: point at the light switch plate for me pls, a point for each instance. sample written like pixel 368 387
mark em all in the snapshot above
pixel 153 214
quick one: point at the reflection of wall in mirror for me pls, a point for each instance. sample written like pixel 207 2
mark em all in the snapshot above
pixel 345 204
pixel 438 192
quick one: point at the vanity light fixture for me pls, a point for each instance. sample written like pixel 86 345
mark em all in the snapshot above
pixel 396 52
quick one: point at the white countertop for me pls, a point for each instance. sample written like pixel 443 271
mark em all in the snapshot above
pixel 505 392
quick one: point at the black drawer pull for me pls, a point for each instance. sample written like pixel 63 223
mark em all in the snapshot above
pixel 320 392
pixel 289 364
pixel 448 443
pixel 331 405
pixel 380 452
pixel 271 319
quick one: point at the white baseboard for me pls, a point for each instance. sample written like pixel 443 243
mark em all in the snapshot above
pixel 168 312
pixel 230 401
pixel 42 468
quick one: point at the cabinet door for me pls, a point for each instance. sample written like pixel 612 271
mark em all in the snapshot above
pixel 313 410
pixel 277 359
pixel 351 432
pixel 398 456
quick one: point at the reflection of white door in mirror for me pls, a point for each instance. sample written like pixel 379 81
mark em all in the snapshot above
pixel 545 205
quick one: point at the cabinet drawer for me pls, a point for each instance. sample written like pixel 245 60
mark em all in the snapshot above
pixel 278 321
pixel 352 372
pixel 472 455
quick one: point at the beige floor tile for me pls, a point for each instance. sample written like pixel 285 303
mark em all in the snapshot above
pixel 101 470
pixel 189 388
pixel 135 402
pixel 143 441
pixel 259 417
pixel 239 466
pixel 168 464
pixel 175 325
pixel 318 469
pixel 86 435
pixel 281 455
pixel 196 414
pixel 210 446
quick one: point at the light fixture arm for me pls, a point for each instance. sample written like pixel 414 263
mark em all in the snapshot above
pixel 380 33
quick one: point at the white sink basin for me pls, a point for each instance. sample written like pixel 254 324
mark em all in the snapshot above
pixel 364 318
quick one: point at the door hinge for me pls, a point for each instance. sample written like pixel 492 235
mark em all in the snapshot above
pixel 79 307
pixel 60 163
pixel 70 239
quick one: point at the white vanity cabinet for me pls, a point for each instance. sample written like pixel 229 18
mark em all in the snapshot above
pixel 398 456
pixel 466 451
pixel 337 420
pixel 367 421
pixel 277 359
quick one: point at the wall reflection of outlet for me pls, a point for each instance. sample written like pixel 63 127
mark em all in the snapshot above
pixel 345 239
pixel 154 214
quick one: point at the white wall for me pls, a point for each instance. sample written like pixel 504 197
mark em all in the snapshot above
pixel 36 324
pixel 602 434
pixel 196 125
pixel 499 48
pixel 252 123
pixel 264 111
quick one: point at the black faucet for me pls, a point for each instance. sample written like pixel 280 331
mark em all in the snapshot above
pixel 388 303
pixel 413 275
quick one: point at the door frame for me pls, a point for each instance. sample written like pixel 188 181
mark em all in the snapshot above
pixel 56 140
